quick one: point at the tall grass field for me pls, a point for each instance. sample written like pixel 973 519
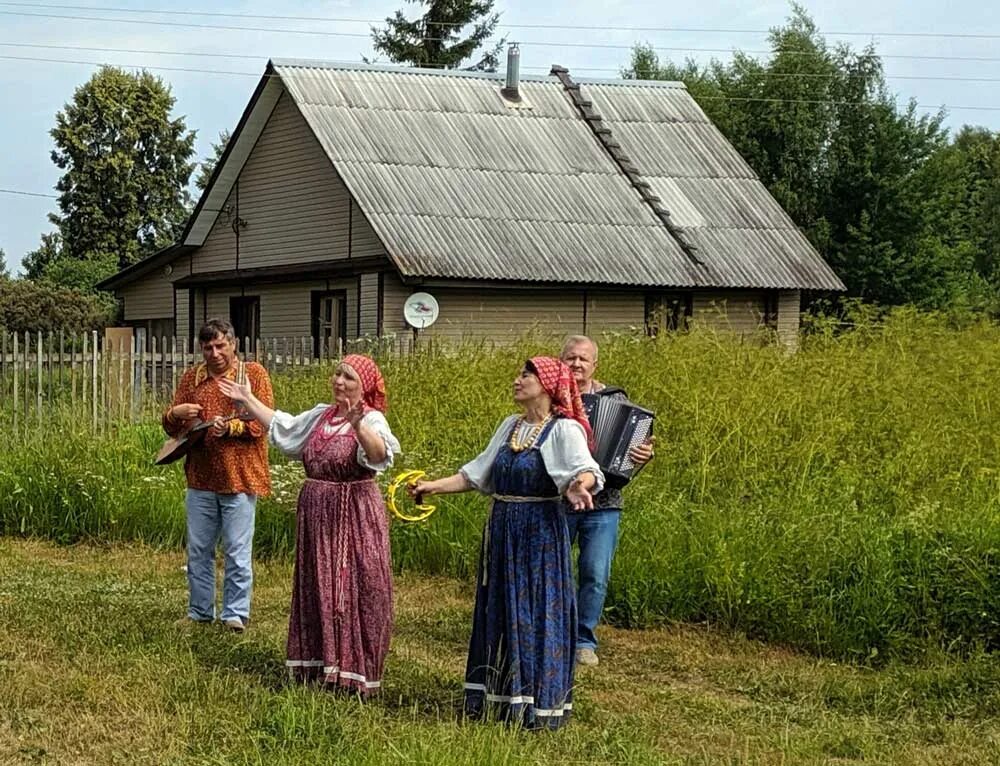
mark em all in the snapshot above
pixel 842 499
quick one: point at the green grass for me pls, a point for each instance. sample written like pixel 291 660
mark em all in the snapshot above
pixel 94 672
pixel 843 499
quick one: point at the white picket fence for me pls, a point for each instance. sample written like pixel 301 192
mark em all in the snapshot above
pixel 113 380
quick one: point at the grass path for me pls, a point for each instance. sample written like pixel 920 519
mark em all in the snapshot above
pixel 93 671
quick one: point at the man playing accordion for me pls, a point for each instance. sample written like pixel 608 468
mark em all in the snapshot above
pixel 595 531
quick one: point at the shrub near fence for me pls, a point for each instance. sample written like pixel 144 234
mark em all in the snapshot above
pixel 842 499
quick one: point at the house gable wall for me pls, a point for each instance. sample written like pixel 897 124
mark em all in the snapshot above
pixel 290 203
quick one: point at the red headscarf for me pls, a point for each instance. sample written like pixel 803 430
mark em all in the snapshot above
pixel 372 384
pixel 559 384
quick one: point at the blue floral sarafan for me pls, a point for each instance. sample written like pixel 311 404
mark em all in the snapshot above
pixel 521 655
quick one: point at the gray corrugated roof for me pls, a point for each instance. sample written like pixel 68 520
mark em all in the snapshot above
pixel 741 232
pixel 458 184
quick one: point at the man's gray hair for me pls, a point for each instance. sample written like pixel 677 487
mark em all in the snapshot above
pixel 575 340
pixel 213 328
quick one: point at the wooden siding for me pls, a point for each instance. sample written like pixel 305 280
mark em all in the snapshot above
pixel 219 251
pixel 200 309
pixel 217 303
pixel 394 294
pixel 611 311
pixel 741 311
pixel 149 298
pixel 495 314
pixel 369 304
pixel 510 313
pixel 285 309
pixel 789 311
pixel 182 303
pixel 295 206
pixel 364 241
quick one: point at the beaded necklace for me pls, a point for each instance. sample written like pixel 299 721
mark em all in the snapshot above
pixel 332 424
pixel 520 445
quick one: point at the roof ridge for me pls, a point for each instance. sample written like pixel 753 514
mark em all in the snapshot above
pixel 413 110
pixel 468 169
pixel 460 217
pixel 474 74
pixel 603 134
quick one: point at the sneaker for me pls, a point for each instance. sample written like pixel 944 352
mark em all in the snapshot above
pixel 586 656
pixel 235 624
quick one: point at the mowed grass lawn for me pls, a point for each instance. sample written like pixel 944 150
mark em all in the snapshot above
pixel 93 671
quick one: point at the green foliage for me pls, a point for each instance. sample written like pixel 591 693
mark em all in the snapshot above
pixel 206 168
pixel 27 306
pixel 38 261
pixel 435 38
pixel 123 193
pixel 844 499
pixel 4 270
pixel 902 215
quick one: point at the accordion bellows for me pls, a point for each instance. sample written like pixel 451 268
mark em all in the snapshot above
pixel 618 425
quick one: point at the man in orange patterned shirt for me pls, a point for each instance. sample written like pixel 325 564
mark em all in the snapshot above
pixel 226 472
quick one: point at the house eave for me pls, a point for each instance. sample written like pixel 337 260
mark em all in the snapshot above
pixel 138 270
pixel 297 272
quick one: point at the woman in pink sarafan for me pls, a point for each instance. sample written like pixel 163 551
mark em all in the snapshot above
pixel 341 617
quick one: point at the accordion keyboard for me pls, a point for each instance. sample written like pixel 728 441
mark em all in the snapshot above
pixel 618 426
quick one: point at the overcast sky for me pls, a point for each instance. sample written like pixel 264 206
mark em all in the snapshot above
pixel 33 87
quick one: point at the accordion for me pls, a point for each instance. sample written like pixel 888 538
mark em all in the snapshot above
pixel 618 426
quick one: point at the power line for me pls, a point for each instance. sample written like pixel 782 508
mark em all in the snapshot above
pixel 639 72
pixel 128 66
pixel 188 25
pixel 504 25
pixel 532 43
pixel 27 194
pixel 949 107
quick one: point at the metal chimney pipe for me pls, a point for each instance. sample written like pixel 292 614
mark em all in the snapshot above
pixel 511 90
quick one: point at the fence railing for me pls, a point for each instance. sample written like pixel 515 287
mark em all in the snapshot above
pixel 115 377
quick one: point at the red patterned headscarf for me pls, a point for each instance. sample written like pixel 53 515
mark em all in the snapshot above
pixel 372 384
pixel 559 384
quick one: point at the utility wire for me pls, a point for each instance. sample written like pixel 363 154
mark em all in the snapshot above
pixel 504 25
pixel 444 83
pixel 639 72
pixel 27 193
pixel 533 43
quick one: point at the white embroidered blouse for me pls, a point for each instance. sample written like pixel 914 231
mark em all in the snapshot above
pixel 289 433
pixel 564 453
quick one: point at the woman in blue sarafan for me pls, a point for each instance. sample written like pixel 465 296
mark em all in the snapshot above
pixel 522 651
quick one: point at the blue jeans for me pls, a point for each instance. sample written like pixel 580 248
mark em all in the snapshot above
pixel 209 516
pixel 596 533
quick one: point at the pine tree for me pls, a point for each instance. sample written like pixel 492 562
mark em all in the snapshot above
pixel 435 39
pixel 207 167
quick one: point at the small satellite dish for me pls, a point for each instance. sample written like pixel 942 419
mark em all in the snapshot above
pixel 420 310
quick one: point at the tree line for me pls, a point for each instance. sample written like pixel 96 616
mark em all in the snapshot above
pixel 904 212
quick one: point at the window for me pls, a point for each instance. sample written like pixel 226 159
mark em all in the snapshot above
pixel 329 322
pixel 667 311
pixel 771 309
pixel 244 313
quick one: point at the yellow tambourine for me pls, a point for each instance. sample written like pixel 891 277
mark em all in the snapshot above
pixel 408 478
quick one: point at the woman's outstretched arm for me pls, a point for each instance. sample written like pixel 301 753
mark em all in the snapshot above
pixel 241 393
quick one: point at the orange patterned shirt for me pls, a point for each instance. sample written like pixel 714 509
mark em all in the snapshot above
pixel 236 461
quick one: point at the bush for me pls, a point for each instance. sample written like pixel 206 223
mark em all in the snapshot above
pixel 27 306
